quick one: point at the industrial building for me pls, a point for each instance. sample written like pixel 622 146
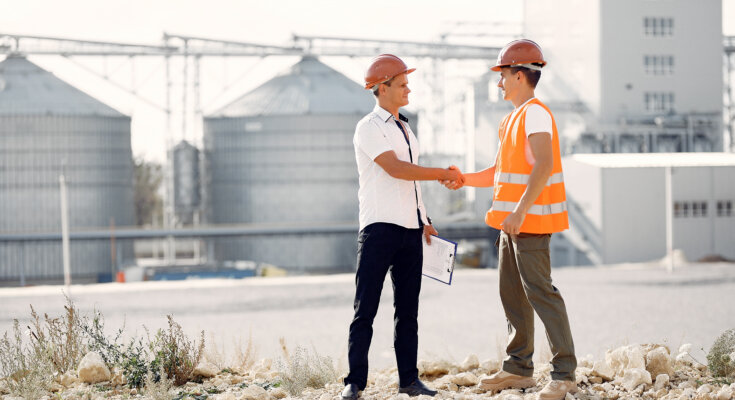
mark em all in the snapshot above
pixel 649 73
pixel 49 128
pixel 283 153
pixel 620 204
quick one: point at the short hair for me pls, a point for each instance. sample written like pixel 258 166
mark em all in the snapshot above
pixel 532 76
pixel 376 88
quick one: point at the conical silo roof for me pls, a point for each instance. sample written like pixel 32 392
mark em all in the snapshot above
pixel 308 87
pixel 26 88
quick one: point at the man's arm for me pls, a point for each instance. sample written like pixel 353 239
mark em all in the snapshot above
pixel 540 144
pixel 412 172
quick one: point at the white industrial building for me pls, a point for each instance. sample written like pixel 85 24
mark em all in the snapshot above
pixel 649 73
pixel 618 204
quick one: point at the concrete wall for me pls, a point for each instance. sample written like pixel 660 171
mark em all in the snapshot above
pixel 695 44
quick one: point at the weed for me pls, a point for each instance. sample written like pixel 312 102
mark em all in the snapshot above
pixel 245 359
pixel 175 354
pixel 26 368
pixel 131 358
pixel 214 354
pixel 61 338
pixel 721 357
pixel 304 369
pixel 157 385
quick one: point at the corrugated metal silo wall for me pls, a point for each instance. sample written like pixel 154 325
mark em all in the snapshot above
pixel 285 169
pixel 97 159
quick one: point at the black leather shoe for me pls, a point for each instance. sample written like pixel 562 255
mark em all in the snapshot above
pixel 417 388
pixel 350 392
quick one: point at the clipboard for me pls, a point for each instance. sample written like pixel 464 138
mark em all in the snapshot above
pixel 439 259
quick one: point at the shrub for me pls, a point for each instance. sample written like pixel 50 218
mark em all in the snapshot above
pixel 157 386
pixel 25 367
pixel 304 369
pixel 720 359
pixel 174 353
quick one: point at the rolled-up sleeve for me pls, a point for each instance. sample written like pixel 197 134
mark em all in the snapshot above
pixel 371 140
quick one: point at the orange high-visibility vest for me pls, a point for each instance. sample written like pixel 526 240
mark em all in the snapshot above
pixel 548 214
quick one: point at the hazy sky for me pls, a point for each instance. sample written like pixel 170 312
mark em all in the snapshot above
pixel 271 22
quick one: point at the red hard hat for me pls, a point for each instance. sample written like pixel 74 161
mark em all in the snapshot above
pixel 521 52
pixel 384 67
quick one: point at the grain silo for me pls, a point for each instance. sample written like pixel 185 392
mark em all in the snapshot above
pixel 46 127
pixel 186 182
pixel 283 153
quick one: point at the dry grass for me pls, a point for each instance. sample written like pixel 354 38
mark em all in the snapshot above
pixel 303 368
pixel 26 368
pixel 61 338
pixel 158 385
pixel 245 358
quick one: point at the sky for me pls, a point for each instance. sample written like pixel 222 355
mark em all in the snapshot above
pixel 269 22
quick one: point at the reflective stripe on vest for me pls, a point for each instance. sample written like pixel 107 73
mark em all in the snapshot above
pixel 536 209
pixel 522 179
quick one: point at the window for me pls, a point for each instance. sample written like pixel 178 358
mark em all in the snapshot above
pixel 681 209
pixel 658 101
pixel 658 27
pixel 724 208
pixel 658 64
pixel 699 209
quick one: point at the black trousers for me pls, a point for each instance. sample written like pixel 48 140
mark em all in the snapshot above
pixel 384 247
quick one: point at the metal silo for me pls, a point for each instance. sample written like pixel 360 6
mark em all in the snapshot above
pixel 46 127
pixel 186 182
pixel 283 153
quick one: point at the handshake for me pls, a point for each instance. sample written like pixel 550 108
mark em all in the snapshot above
pixel 453 179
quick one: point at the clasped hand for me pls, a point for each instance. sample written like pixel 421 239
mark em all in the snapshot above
pixel 457 179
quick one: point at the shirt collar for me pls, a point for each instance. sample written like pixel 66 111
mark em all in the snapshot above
pixel 385 115
pixel 382 113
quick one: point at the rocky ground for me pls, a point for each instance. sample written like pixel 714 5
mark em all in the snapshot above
pixel 628 372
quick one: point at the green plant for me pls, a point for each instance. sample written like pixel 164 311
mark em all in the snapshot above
pixel 721 357
pixel 26 367
pixel 174 353
pixel 304 369
pixel 131 358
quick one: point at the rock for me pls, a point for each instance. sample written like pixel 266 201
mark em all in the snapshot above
pixel 491 366
pixel 658 361
pixel 452 387
pixel 624 358
pixel 661 381
pixel 118 377
pixel 226 396
pixel 586 361
pixel 725 393
pixel 133 392
pixel 92 369
pixel 470 363
pixel 206 369
pixel 596 380
pixel 68 379
pixel 633 377
pixel 704 389
pixel 465 379
pixel 254 392
pixel 430 368
pixel 603 370
pixel 278 393
pixel 326 396
pixel 236 379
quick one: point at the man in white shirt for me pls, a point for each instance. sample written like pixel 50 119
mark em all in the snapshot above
pixel 392 221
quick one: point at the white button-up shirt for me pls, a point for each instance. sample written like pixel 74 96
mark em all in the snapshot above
pixel 384 198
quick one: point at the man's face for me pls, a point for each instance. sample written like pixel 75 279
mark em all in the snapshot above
pixel 509 83
pixel 397 92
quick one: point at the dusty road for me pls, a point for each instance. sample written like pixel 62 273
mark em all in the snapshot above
pixel 608 307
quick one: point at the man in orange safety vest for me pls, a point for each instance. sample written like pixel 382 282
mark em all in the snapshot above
pixel 529 204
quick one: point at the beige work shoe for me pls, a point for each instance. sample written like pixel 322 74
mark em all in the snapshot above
pixel 557 390
pixel 502 380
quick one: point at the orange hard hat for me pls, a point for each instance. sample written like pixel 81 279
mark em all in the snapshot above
pixel 383 68
pixel 520 53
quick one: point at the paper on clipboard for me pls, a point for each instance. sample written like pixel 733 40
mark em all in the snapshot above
pixel 439 259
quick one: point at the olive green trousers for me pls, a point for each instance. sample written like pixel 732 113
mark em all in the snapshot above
pixel 525 286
